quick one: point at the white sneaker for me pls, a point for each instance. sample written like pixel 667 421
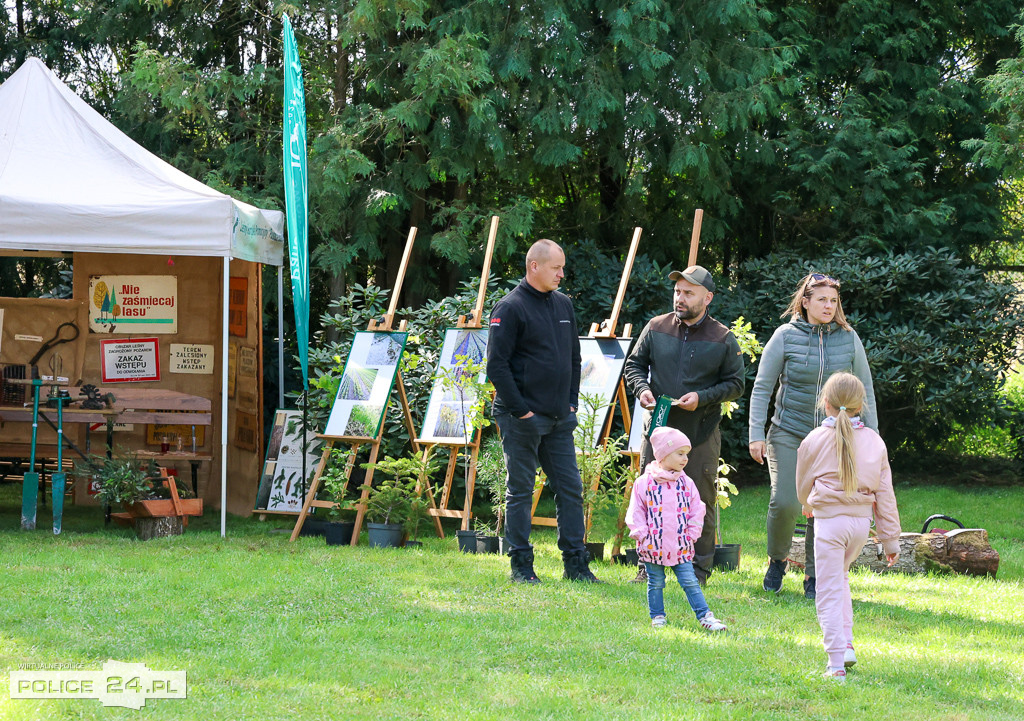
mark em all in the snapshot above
pixel 849 658
pixel 711 623
pixel 835 674
pixel 658 622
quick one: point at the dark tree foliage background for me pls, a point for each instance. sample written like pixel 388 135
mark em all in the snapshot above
pixel 865 137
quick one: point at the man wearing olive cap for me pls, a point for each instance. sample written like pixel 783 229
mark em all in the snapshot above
pixel 695 360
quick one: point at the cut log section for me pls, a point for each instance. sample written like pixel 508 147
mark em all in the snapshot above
pixel 965 550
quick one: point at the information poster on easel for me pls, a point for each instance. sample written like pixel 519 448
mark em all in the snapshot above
pixel 448 419
pixel 366 384
pixel 602 360
pixel 281 487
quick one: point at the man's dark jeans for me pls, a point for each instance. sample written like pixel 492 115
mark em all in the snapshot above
pixel 545 442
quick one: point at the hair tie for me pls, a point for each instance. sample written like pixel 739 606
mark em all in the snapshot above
pixel 842 408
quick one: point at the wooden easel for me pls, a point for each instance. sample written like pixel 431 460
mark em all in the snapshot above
pixel 439 510
pixel 606 329
pixel 384 324
pixel 634 458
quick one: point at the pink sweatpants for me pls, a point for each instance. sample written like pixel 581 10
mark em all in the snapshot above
pixel 837 542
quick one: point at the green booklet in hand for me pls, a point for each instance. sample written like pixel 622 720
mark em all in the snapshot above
pixel 659 417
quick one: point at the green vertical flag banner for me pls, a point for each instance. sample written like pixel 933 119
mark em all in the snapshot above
pixel 295 193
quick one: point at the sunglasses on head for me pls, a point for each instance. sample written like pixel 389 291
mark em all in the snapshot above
pixel 817 278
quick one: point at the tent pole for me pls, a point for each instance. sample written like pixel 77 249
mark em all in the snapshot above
pixel 224 401
pixel 280 336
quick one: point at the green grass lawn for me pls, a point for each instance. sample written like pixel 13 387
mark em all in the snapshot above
pixel 268 629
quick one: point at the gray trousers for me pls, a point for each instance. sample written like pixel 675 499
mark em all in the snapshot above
pixel 784 508
pixel 702 467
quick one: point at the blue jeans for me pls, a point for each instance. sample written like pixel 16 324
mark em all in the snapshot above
pixel 546 442
pixel 687 579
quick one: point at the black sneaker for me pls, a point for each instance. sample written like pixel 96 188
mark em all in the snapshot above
pixel 809 589
pixel 641 575
pixel 522 567
pixel 773 576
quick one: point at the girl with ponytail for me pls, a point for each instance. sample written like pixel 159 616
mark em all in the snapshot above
pixel 843 479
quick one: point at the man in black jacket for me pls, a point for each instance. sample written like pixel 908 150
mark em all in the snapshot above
pixel 692 358
pixel 533 360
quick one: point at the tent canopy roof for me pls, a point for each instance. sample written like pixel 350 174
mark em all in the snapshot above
pixel 71 181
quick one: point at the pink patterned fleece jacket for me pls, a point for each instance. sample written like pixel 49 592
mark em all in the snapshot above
pixel 818 486
pixel 665 516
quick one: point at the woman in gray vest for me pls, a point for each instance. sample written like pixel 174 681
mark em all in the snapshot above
pixel 800 356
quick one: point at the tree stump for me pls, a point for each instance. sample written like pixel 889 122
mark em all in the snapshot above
pixel 158 527
pixel 965 550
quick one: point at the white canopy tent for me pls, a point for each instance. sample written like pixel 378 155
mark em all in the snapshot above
pixel 71 181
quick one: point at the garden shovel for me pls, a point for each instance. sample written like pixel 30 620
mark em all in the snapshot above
pixel 30 484
pixel 59 478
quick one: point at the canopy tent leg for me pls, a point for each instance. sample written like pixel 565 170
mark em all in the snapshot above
pixel 224 400
pixel 280 336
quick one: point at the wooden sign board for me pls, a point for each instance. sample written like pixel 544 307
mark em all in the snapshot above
pixel 238 290
pixel 232 368
pixel 247 431
pixel 126 361
pixel 191 358
pixel 156 432
pixel 247 365
pixel 133 304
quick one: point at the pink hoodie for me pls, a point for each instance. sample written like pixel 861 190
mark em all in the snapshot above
pixel 818 485
pixel 665 516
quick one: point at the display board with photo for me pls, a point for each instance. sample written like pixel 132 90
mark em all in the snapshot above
pixel 366 384
pixel 602 360
pixel 446 419
pixel 281 488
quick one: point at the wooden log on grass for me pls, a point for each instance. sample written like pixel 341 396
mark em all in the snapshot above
pixel 158 527
pixel 965 550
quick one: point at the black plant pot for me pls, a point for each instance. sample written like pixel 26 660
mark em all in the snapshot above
pixel 596 551
pixel 384 535
pixel 632 559
pixel 467 541
pixel 313 527
pixel 486 544
pixel 727 557
pixel 339 533
pixel 413 544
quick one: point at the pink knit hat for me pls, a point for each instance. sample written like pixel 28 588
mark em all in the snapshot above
pixel 664 440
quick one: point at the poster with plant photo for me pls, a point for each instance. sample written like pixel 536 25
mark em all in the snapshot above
pixel 281 489
pixel 366 384
pixel 448 416
pixel 602 360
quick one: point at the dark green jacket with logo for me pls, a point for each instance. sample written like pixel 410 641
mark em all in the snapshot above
pixel 671 358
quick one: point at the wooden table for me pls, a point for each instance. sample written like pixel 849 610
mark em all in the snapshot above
pixel 131 405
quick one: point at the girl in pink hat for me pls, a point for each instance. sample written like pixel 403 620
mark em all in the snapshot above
pixel 666 517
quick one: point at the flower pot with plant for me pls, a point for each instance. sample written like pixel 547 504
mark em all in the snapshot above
pixel 727 555
pixel 393 502
pixel 154 502
pixel 602 480
pixel 334 483
pixel 492 476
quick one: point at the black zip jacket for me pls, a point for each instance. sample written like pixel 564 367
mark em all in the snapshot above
pixel 533 353
pixel 679 359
